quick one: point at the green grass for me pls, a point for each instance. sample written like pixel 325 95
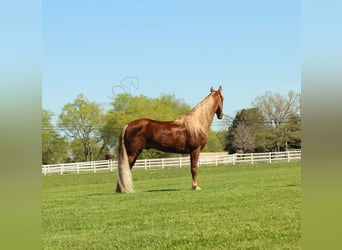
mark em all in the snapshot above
pixel 239 207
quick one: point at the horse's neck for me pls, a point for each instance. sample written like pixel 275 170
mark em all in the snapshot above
pixel 201 116
pixel 204 112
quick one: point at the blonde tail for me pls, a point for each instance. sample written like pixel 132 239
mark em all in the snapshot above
pixel 125 183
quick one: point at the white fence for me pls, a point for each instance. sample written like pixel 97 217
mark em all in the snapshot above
pixel 110 165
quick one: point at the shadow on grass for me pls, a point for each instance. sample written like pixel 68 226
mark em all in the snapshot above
pixel 101 194
pixel 163 190
pixel 147 191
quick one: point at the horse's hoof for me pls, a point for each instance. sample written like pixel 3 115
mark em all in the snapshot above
pixel 196 188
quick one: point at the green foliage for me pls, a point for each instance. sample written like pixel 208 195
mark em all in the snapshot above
pixel 76 148
pixel 214 143
pixel 54 146
pixel 293 131
pixel 166 107
pixel 81 121
pixel 239 207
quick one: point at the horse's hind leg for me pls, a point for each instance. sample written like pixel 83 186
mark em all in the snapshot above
pixel 131 160
pixel 132 157
pixel 194 155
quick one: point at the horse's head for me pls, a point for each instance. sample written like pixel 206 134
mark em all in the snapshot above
pixel 219 99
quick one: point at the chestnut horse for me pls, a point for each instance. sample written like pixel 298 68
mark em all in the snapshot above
pixel 186 134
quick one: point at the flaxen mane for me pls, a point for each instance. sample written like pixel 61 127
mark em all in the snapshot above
pixel 199 118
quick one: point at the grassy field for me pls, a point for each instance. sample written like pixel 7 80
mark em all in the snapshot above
pixel 239 207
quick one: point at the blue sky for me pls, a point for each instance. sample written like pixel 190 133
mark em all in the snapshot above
pixel 172 47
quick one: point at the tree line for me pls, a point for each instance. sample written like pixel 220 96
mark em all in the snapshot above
pixel 85 132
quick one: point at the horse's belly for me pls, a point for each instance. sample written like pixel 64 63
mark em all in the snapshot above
pixel 169 143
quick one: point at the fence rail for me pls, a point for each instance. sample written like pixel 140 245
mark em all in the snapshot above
pixel 111 165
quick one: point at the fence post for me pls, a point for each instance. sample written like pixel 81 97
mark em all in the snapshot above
pixel 62 168
pixel 78 168
pixel 288 156
pixel 270 157
pixel 233 158
pixel 145 164
pixel 162 162
pixel 44 167
pixel 94 166
pixel 180 162
pixel 252 158
pixel 216 160
pixel 110 165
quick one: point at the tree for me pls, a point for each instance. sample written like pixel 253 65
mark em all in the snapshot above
pixel 81 121
pixel 76 150
pixel 54 146
pixel 293 132
pixel 244 137
pixel 108 134
pixel 279 111
pixel 242 134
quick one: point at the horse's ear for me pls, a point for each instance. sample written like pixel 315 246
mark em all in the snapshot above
pixel 220 88
pixel 212 90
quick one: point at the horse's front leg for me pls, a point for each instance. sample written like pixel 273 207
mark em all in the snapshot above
pixel 194 155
